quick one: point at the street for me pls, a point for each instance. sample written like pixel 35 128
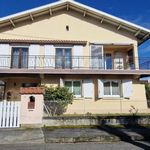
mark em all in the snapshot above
pixel 79 146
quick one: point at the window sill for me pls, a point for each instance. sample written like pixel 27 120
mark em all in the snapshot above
pixel 112 98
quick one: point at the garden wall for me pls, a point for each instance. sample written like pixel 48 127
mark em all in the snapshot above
pixel 98 120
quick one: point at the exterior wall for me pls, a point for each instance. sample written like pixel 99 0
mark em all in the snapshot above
pixel 106 105
pixel 80 28
pixel 31 116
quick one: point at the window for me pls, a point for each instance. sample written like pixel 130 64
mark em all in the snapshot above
pixel 19 57
pixel 74 87
pixel 63 58
pixel 29 84
pixel 97 56
pixel 112 89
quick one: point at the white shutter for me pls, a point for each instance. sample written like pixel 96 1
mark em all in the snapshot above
pixel 88 88
pixel 77 60
pixel 34 56
pixel 100 88
pixel 61 82
pixel 5 56
pixel 49 59
pixel 127 88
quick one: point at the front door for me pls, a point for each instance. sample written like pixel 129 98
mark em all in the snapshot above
pixel 63 58
pixel 19 57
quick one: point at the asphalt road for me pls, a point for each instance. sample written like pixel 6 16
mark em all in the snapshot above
pixel 79 146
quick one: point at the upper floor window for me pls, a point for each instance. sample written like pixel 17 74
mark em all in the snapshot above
pixel 112 89
pixel 19 57
pixel 97 56
pixel 63 58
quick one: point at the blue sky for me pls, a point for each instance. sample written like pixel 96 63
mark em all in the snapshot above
pixel 136 11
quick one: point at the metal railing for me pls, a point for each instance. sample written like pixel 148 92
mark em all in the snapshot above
pixel 73 62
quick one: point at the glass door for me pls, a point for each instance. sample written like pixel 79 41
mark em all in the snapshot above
pixel 108 61
pixel 19 57
pixel 97 57
pixel 63 58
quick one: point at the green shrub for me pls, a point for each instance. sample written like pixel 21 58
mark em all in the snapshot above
pixel 57 99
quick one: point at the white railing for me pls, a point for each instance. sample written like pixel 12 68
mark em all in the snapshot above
pixel 9 114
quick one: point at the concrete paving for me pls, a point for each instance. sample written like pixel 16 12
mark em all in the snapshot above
pixel 105 134
pixel 46 135
pixel 79 146
pixel 12 136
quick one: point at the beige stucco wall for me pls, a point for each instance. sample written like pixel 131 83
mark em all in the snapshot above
pixel 80 28
pixel 105 105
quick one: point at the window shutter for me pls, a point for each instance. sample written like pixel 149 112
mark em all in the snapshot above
pixel 100 88
pixel 49 59
pixel 127 88
pixel 34 56
pixel 61 82
pixel 5 56
pixel 77 60
pixel 88 88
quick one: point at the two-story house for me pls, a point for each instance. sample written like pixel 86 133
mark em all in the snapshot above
pixel 66 43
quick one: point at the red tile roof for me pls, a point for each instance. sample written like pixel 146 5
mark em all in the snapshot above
pixel 31 90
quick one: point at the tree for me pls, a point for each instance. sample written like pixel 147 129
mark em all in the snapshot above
pixel 57 99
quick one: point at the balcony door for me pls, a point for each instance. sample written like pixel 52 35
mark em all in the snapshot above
pixel 108 61
pixel 97 61
pixel 19 57
pixel 63 58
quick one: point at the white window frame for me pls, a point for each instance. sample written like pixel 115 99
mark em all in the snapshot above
pixel 119 83
pixel 76 96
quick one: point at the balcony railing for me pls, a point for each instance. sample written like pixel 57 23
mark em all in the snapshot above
pixel 59 62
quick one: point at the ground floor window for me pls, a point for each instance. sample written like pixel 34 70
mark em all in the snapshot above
pixel 74 87
pixel 112 88
pixel 2 90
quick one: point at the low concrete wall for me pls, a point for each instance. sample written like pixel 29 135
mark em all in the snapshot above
pixel 98 120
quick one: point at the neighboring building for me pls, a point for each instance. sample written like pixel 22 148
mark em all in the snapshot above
pixel 69 44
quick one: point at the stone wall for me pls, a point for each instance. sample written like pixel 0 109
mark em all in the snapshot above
pixel 98 120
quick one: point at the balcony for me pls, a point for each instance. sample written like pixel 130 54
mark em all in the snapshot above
pixel 74 65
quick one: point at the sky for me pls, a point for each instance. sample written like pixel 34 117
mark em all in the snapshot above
pixel 135 11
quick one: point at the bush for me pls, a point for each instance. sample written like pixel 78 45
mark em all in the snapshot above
pixel 57 99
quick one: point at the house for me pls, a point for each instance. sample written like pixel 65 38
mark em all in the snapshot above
pixel 66 43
